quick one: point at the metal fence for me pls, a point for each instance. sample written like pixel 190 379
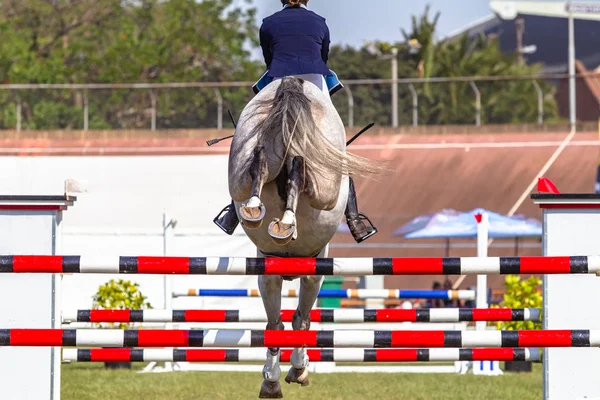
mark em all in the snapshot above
pixel 15 93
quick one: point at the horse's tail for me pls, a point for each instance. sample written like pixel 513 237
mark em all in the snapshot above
pixel 289 114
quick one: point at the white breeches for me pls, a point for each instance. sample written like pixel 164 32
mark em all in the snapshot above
pixel 318 80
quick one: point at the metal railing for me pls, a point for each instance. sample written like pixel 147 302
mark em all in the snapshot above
pixel 153 88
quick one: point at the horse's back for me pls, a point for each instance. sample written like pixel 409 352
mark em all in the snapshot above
pixel 328 124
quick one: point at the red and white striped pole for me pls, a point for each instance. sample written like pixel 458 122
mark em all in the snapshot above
pixel 338 315
pixel 288 338
pixel 315 355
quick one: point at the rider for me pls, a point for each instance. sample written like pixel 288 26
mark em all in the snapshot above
pixel 295 42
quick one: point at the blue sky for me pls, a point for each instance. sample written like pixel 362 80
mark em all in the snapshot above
pixel 354 21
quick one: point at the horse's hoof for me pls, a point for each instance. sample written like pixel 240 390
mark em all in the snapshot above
pixel 252 213
pixel 297 375
pixel 270 390
pixel 282 233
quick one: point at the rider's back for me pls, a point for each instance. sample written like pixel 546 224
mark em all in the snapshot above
pixel 295 41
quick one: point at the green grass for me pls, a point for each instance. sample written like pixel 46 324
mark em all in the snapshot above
pixel 93 382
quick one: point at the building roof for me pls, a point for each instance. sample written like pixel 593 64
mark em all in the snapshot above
pixel 548 34
pixel 475 27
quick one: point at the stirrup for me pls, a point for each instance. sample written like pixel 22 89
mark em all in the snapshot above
pixel 226 224
pixel 360 235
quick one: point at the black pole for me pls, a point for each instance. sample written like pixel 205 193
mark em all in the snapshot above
pixel 363 130
pixel 215 141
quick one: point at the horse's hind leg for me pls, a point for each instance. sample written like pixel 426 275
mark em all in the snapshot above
pixel 253 211
pixel 309 290
pixel 284 230
pixel 270 291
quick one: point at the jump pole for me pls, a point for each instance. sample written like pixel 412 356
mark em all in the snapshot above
pixel 318 339
pixel 315 355
pixel 318 315
pixel 338 293
pixel 224 266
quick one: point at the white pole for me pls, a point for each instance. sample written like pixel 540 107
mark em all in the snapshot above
pixel 168 235
pixel 572 99
pixel 167 239
pixel 482 251
pixel 395 87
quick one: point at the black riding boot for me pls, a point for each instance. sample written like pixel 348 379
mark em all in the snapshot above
pixel 228 221
pixel 360 225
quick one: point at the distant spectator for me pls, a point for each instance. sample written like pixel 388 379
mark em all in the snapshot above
pixel 435 303
pixel 449 303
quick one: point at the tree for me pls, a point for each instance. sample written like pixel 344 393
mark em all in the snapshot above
pixel 503 101
pixel 371 102
pixel 107 41
pixel 126 41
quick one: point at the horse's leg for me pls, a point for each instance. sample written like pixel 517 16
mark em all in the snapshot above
pixel 253 211
pixel 309 291
pixel 270 291
pixel 284 230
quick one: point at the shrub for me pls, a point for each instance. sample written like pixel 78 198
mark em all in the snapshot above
pixel 520 294
pixel 119 295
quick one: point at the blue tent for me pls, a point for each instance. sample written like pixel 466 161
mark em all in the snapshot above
pixel 419 222
pixel 426 221
pixel 449 223
pixel 464 225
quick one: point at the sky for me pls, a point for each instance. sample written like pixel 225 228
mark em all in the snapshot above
pixel 352 22
pixel 355 21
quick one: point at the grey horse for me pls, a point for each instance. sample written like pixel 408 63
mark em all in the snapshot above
pixel 288 164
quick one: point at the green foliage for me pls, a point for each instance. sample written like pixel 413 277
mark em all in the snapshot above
pixel 158 41
pixel 120 295
pixel 117 41
pixel 371 102
pixel 440 103
pixel 521 294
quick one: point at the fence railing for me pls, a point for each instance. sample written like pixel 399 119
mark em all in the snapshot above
pixel 474 82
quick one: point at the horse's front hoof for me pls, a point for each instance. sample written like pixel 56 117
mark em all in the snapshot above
pixel 270 390
pixel 297 375
pixel 252 213
pixel 282 233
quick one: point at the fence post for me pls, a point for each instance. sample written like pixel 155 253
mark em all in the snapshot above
pixel 219 109
pixel 415 104
pixel 18 113
pixel 85 110
pixel 153 100
pixel 477 103
pixel 350 106
pixel 395 87
pixel 540 101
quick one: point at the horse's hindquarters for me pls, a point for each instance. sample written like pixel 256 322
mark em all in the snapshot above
pixel 315 228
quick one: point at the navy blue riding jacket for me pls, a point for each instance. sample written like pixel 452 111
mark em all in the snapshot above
pixel 295 41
